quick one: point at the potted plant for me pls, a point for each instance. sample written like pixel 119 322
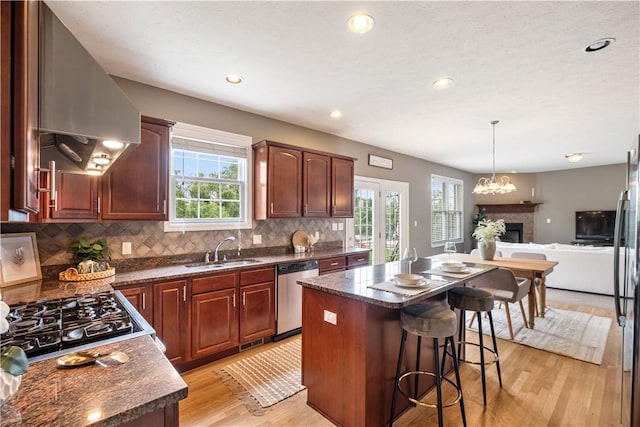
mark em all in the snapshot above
pixel 486 232
pixel 90 256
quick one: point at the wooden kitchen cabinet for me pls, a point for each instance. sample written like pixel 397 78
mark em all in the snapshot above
pixel 214 314
pixel 141 297
pixel 257 307
pixel 136 187
pixel 170 308
pixel 316 192
pixel 278 181
pixel 332 265
pixel 357 260
pixel 342 187
pixel 19 123
pixel 291 182
pixel 76 199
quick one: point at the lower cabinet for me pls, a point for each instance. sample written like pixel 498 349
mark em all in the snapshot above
pixel 332 265
pixel 170 308
pixel 214 314
pixel 141 298
pixel 257 308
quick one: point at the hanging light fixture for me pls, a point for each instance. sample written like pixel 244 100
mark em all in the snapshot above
pixel 491 185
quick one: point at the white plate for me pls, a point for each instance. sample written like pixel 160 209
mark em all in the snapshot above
pixel 456 270
pixel 418 284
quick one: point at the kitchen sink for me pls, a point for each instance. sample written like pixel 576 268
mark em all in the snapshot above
pixel 225 264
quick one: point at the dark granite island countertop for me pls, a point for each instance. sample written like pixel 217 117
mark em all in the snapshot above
pixel 351 337
pixel 357 284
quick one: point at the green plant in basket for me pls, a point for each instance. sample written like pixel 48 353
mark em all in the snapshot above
pixel 90 256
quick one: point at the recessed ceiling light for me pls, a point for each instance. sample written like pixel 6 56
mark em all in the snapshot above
pixel 335 114
pixel 574 157
pixel 443 83
pixel 233 79
pixel 360 24
pixel 101 160
pixel 599 44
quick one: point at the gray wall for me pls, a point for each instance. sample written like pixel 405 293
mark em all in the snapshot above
pixel 161 103
pixel 562 193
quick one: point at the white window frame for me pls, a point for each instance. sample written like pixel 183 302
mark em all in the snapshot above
pixel 202 134
pixel 445 181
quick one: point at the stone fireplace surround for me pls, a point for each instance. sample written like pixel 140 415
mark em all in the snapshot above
pixel 514 213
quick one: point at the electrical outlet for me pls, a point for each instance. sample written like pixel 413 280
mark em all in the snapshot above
pixel 317 234
pixel 330 317
pixel 334 226
pixel 257 239
pixel 340 226
pixel 126 248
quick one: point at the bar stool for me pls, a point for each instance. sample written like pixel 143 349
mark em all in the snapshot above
pixel 430 320
pixel 478 301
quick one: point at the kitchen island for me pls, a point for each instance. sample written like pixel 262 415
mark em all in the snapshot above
pixel 351 338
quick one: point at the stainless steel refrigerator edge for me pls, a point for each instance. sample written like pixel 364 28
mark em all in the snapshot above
pixel 627 298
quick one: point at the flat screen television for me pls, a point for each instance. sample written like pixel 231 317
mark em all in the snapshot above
pixel 597 226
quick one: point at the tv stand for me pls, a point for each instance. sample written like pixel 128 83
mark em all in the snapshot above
pixel 592 243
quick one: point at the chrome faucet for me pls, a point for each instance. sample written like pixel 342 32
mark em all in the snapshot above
pixel 215 252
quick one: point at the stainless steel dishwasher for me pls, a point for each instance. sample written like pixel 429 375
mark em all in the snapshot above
pixel 289 296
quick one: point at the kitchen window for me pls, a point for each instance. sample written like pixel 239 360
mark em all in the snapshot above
pixel 446 210
pixel 210 180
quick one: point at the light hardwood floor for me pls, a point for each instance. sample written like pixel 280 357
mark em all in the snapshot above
pixel 539 388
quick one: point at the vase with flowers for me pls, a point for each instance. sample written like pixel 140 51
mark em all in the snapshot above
pixel 487 231
pixel 13 363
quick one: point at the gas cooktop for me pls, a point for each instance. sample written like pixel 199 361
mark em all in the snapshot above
pixel 47 327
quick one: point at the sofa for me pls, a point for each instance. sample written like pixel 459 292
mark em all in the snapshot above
pixel 580 268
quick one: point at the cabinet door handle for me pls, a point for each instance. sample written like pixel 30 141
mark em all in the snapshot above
pixel 333 210
pixel 244 299
pixel 184 293
pixel 360 259
pixel 334 263
pixel 234 300
pixel 144 301
pixel 271 207
pixel 98 204
pixel 164 206
pixel 306 208
pixel 52 181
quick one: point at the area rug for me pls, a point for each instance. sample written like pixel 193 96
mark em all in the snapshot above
pixel 266 378
pixel 578 335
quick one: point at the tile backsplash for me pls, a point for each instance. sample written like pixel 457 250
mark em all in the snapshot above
pixel 148 238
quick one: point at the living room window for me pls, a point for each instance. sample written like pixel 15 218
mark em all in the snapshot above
pixel 210 179
pixel 447 210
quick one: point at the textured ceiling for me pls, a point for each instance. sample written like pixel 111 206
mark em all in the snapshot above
pixel 518 62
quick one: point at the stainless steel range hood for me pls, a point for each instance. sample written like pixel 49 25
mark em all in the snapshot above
pixel 83 113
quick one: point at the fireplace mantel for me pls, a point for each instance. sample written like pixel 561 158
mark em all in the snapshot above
pixel 509 207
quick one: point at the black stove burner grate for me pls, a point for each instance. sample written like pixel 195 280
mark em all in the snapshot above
pixel 50 325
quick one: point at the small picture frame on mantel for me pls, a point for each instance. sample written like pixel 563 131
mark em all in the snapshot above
pixel 380 162
pixel 19 260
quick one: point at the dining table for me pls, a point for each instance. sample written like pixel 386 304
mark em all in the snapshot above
pixel 531 269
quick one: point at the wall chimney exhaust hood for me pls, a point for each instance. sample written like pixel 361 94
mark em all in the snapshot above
pixel 86 121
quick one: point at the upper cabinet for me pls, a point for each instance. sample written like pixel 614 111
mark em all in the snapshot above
pixel 278 181
pixel 136 187
pixel 19 158
pixel 341 188
pixel 291 182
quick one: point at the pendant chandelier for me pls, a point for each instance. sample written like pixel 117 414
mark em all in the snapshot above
pixel 492 185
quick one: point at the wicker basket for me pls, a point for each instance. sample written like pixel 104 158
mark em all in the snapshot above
pixel 71 275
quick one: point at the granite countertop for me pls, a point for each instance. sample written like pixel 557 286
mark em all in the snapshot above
pixel 358 283
pixel 99 396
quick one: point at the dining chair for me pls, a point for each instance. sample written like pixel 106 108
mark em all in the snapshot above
pixel 506 288
pixel 536 281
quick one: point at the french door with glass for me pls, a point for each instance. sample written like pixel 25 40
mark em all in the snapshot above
pixel 380 218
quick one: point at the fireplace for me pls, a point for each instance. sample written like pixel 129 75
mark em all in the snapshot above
pixel 513 233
